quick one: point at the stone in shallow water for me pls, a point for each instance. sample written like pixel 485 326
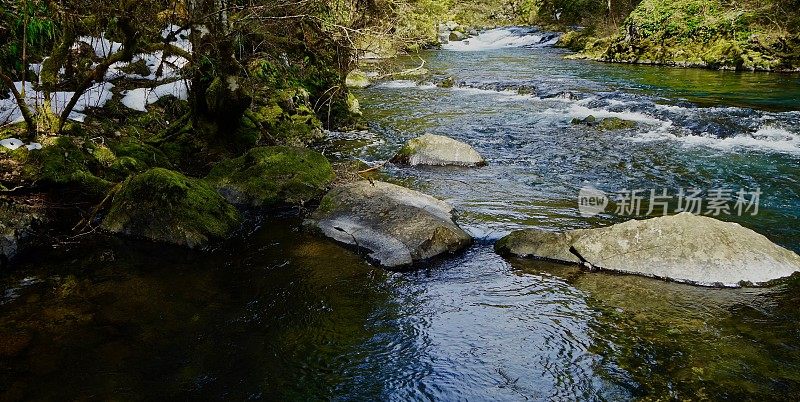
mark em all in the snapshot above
pixel 398 226
pixel 684 247
pixel 438 150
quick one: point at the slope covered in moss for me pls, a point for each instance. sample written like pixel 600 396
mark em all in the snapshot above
pixel 746 35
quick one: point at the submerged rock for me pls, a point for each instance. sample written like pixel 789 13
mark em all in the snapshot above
pixel 357 79
pixel 166 206
pixel 269 176
pixel 438 150
pixel 684 247
pixel 398 226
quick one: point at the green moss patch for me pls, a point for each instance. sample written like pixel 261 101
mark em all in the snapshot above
pixel 166 206
pixel 271 176
pixel 66 163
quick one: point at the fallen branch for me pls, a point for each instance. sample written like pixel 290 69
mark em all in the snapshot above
pixel 404 72
pixel 86 221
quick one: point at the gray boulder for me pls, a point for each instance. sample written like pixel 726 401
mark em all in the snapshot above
pixel 438 150
pixel 684 248
pixel 396 225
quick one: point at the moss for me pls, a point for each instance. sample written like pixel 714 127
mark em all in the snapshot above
pixel 144 153
pixel 615 123
pixel 61 163
pixel 125 166
pixel 573 40
pixel 104 155
pixel 699 33
pixel 352 105
pixel 164 205
pixel 271 176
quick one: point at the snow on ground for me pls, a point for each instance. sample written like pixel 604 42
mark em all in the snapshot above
pixel 161 68
pixel 139 98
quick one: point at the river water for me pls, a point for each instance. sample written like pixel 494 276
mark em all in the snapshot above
pixel 281 314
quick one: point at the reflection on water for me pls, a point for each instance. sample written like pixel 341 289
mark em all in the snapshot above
pixel 691 342
pixel 284 315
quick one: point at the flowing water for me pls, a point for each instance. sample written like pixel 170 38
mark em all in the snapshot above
pixel 281 314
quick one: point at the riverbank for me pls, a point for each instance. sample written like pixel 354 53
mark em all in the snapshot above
pixel 749 36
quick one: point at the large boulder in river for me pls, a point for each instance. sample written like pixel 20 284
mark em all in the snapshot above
pixel 438 150
pixel 396 225
pixel 166 206
pixel 684 247
pixel 271 176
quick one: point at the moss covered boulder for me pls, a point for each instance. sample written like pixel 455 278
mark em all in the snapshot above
pixel 605 124
pixel 708 33
pixel 66 163
pixel 166 206
pixel 272 176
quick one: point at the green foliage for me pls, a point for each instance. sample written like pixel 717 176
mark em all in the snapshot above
pixel 27 21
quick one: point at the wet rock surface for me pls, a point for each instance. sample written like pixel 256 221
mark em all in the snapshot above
pixel 438 150
pixel 686 248
pixel 397 226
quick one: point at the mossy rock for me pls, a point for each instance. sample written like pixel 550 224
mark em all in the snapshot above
pixel 273 176
pixel 448 82
pixel 65 164
pixel 353 106
pixel 148 155
pixel 357 79
pixel 165 206
pixel 606 124
pixel 615 123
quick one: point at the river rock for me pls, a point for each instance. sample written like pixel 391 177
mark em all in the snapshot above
pixel 457 36
pixel 396 225
pixel 438 150
pixel 606 124
pixel 165 206
pixel 686 248
pixel 272 176
pixel 357 79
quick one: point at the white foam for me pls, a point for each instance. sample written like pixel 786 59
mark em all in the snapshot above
pixel 398 84
pixel 581 112
pixel 499 38
pixel 766 139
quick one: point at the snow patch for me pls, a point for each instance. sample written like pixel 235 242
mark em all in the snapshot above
pixel 139 98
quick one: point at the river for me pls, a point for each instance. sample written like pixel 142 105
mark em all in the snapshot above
pixel 281 314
